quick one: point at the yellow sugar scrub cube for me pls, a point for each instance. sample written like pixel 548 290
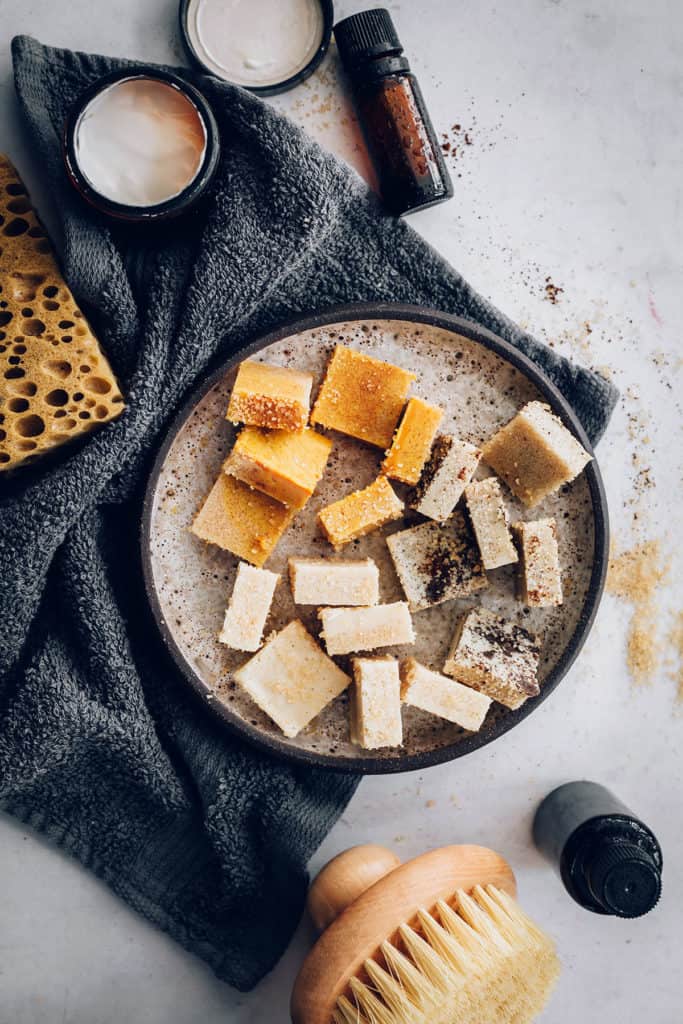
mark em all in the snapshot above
pixel 241 520
pixel 360 512
pixel 284 464
pixel 535 454
pixel 362 396
pixel 291 678
pixel 412 441
pixel 270 396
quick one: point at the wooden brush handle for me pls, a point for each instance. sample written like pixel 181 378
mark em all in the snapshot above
pixel 345 878
pixel 359 927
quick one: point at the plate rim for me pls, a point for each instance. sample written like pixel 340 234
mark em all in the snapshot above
pixel 365 764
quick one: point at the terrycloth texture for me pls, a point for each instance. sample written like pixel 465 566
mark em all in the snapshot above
pixel 101 746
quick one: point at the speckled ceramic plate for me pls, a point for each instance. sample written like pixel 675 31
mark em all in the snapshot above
pixel 480 381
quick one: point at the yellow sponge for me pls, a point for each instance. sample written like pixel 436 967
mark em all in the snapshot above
pixel 55 382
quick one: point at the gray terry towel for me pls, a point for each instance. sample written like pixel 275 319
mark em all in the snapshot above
pixel 101 746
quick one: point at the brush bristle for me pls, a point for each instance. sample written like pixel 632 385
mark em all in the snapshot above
pixel 475 959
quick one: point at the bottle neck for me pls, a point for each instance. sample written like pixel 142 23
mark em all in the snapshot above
pixel 567 808
pixel 377 68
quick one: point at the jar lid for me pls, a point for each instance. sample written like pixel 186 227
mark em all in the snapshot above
pixel 138 181
pixel 265 46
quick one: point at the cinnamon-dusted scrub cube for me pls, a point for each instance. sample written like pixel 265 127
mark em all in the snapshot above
pixel 285 464
pixel 412 441
pixel 292 679
pixel 437 562
pixel 376 703
pixel 241 520
pixel 496 657
pixel 488 515
pixel 535 454
pixel 250 601
pixel 540 576
pixel 438 695
pixel 451 466
pixel 361 396
pixel 270 396
pixel 360 512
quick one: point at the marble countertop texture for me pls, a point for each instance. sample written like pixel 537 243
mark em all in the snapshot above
pixel 573 177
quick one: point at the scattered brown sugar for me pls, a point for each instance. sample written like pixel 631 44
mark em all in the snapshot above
pixel 320 104
pixel 553 292
pixel 635 576
pixel 676 642
pixel 642 651
pixel 454 140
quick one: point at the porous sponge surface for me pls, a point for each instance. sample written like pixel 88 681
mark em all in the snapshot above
pixel 55 382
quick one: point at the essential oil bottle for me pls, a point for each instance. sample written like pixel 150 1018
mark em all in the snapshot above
pixel 403 146
pixel 609 861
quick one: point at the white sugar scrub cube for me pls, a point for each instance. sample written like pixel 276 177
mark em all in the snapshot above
pixel 438 695
pixel 250 601
pixel 291 678
pixel 450 468
pixel 347 630
pixel 323 581
pixel 376 703
pixel 489 519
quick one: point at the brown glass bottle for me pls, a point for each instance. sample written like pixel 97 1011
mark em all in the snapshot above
pixel 403 147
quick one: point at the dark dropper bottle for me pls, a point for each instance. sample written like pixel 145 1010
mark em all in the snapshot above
pixel 609 861
pixel 399 134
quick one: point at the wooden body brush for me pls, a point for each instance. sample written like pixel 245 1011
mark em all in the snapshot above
pixel 438 940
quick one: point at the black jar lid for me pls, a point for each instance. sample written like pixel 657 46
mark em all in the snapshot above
pixel 189 12
pixel 174 205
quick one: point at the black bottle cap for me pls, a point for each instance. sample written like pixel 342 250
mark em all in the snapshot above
pixel 624 879
pixel 365 36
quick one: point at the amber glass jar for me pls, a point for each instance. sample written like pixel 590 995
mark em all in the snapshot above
pixel 403 147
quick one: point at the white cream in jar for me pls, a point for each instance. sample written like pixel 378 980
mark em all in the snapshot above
pixel 255 43
pixel 140 142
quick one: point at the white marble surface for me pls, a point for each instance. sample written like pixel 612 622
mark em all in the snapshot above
pixel 574 173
